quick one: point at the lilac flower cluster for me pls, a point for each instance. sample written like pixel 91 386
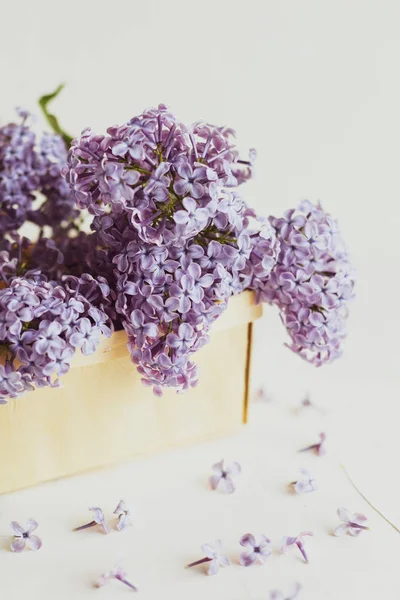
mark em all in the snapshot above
pixel 171 239
pixel 312 282
pixel 29 168
pixel 166 206
pixel 43 323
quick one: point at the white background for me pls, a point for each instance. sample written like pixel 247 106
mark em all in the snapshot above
pixel 314 86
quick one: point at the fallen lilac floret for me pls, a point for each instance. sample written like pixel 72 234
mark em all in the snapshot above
pixel 224 476
pixel 23 536
pixel 119 574
pixel 353 524
pixel 319 448
pixel 98 519
pixel 297 541
pixel 213 555
pixel 305 485
pixel 124 516
pixel 259 550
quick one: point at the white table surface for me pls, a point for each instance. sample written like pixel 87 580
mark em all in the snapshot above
pixel 175 513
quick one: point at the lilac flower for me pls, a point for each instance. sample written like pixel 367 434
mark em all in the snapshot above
pixel 36 340
pixel 117 573
pixel 60 364
pixel 31 165
pixel 11 382
pixel 319 282
pixel 192 216
pixel 23 536
pixel 225 474
pixel 260 550
pixel 277 595
pixel 189 289
pixel 189 181
pixel 129 145
pixel 124 516
pixel 175 240
pixel 159 181
pixel 183 340
pixel 319 448
pixel 297 541
pixel 138 326
pixel 48 338
pixel 305 485
pixel 213 555
pixel 352 524
pixel 85 336
pixel 121 183
pixel 98 519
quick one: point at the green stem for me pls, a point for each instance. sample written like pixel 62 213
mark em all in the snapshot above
pixel 369 502
pixel 51 119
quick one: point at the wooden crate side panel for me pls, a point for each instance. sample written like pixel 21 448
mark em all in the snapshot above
pixel 103 414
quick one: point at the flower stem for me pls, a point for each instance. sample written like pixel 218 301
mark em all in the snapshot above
pixel 129 584
pixel 302 550
pixel 198 562
pixel 91 524
pixel 51 119
pixel 358 526
pixel 312 447
pixel 369 502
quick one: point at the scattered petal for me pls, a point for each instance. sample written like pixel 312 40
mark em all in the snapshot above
pixel 214 556
pixel 319 448
pixel 260 550
pixel 23 536
pixel 124 516
pixel 352 524
pixel 298 541
pixel 223 475
pixel 117 573
pixel 307 484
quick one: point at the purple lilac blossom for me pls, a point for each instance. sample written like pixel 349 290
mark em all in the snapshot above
pixel 305 485
pixel 296 541
pixel 117 573
pixel 319 448
pixel 179 236
pixel 214 556
pixel 172 240
pixel 259 550
pixel 41 324
pixel 124 515
pixel 312 282
pixel 23 536
pixel 351 524
pixel 223 476
pixel 98 519
pixel 31 166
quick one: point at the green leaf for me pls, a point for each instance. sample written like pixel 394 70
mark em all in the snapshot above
pixel 51 119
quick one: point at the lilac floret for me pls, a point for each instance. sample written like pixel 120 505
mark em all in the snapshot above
pixel 260 549
pixel 351 524
pixel 23 536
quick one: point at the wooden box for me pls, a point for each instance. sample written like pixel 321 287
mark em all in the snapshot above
pixel 103 414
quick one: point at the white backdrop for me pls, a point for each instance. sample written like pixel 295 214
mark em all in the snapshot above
pixel 314 86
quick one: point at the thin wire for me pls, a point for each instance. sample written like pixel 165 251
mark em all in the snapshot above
pixel 368 501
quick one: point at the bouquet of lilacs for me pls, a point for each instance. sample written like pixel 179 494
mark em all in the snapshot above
pixel 171 240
